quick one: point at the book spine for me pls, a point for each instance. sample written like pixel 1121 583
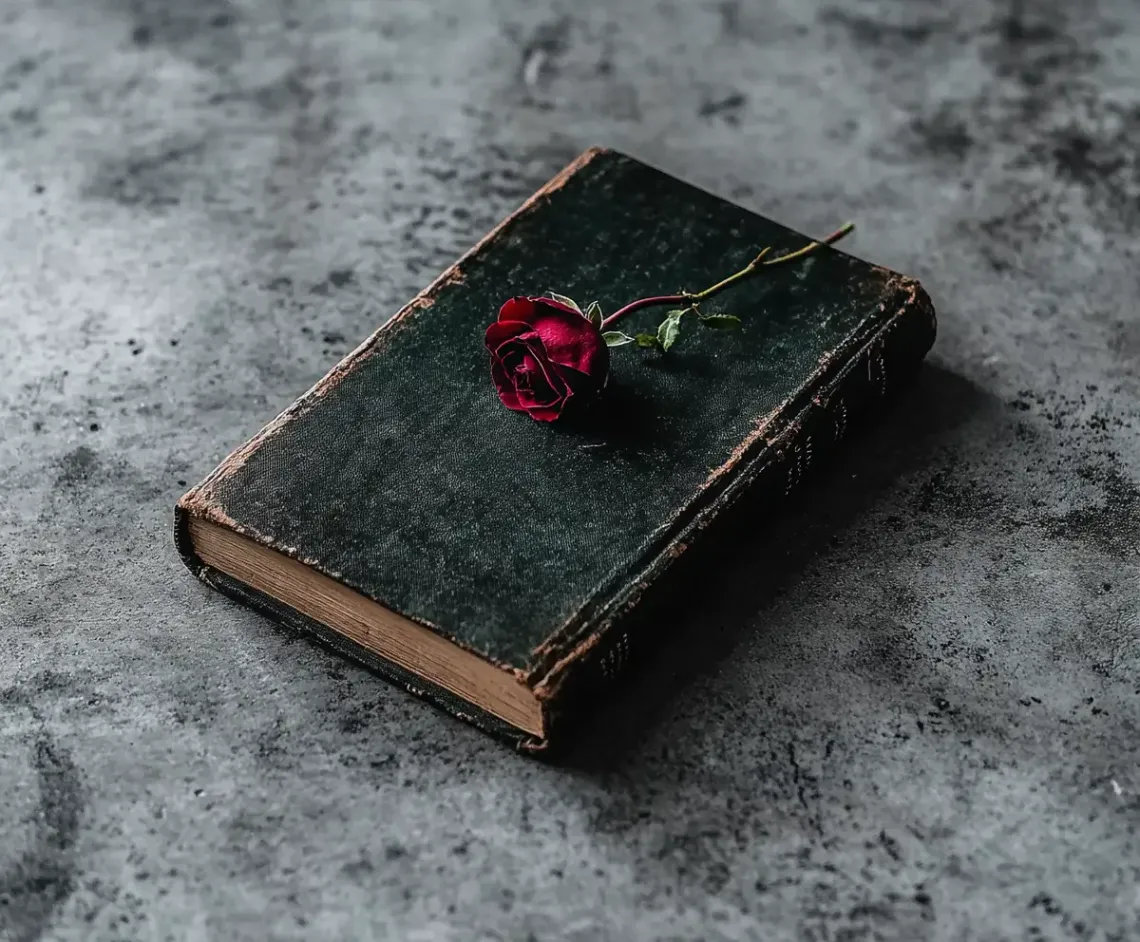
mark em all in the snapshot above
pixel 885 362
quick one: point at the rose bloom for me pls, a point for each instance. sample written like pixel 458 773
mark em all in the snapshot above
pixel 546 357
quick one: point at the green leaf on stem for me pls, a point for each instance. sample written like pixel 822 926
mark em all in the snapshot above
pixel 594 313
pixel 615 338
pixel 670 329
pixel 721 321
pixel 569 302
pixel 647 340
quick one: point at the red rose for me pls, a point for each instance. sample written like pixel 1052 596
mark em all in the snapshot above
pixel 544 356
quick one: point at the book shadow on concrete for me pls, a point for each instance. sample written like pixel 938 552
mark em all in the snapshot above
pixel 904 439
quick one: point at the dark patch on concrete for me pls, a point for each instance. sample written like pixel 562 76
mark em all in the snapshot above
pixel 1057 914
pixel 27 694
pixel 153 179
pixel 728 108
pixel 86 480
pixel 539 53
pixel 944 135
pixel 1112 526
pixel 271 743
pixel 1101 159
pixel 43 877
pixel 1075 159
pixel 1025 219
pixel 490 183
pixel 309 114
pixel 729 11
pixel 886 652
pixel 1042 108
pixel 1016 29
pixel 711 852
pixel 866 30
pixel 23 67
pixel 1037 50
pixel 337 278
pixel 292 92
pixel 203 31
pixel 77 467
pixel 13 76
pixel 955 492
pixel 1124 339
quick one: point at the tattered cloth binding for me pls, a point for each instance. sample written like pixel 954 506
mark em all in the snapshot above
pixel 503 568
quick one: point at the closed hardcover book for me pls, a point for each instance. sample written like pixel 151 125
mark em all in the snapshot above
pixel 503 567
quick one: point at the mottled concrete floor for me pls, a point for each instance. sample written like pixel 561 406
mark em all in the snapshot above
pixel 912 716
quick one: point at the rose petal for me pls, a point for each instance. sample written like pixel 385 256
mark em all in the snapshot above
pixel 571 340
pixel 579 383
pixel 518 344
pixel 543 388
pixel 517 309
pixel 550 414
pixel 504 386
pixel 506 358
pixel 502 331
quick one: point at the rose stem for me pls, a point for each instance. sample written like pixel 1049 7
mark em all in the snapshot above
pixel 686 297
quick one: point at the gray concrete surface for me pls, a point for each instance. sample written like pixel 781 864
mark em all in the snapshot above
pixel 913 716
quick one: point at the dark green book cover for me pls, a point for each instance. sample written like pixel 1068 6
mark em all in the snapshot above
pixel 402 483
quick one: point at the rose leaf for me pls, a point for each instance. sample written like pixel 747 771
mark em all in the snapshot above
pixel 647 340
pixel 594 313
pixel 615 338
pixel 569 302
pixel 669 330
pixel 721 321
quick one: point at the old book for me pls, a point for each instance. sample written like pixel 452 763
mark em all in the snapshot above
pixel 497 565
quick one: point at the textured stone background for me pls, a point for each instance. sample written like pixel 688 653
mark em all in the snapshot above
pixel 911 716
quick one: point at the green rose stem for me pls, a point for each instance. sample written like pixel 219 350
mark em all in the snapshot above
pixel 690 299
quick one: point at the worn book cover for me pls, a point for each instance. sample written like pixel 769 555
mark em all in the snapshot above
pixel 498 565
